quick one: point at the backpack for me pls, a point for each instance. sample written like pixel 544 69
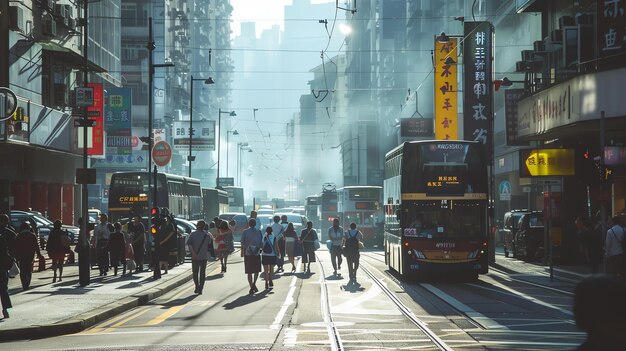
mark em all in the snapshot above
pixel 352 243
pixel 268 248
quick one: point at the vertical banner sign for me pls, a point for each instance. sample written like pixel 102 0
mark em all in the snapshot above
pixel 511 97
pixel 446 91
pixel 118 121
pixel 611 24
pixel 478 90
pixel 95 113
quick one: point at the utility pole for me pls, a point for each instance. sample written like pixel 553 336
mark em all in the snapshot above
pixel 602 182
pixel 83 255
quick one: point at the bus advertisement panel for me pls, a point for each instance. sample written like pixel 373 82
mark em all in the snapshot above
pixel 436 208
pixel 362 205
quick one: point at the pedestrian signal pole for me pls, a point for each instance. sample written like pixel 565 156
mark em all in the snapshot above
pixel 155 221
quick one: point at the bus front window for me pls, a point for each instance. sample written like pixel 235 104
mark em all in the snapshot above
pixel 452 220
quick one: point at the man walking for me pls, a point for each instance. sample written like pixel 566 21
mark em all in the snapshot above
pixel 7 238
pixel 277 230
pixel 251 241
pixel 336 234
pixel 102 235
pixel 198 243
pixel 138 237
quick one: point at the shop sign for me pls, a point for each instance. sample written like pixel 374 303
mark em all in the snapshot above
pixel 478 92
pixel 118 123
pixel 96 147
pixel 203 138
pixel 511 98
pixel 611 27
pixel 546 162
pixel 615 155
pixel 446 90
pixel 416 127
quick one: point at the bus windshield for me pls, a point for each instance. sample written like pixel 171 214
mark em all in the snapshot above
pixel 444 219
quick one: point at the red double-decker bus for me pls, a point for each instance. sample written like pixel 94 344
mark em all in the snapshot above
pixel 362 205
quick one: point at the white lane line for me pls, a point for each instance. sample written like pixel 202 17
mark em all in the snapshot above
pixel 483 320
pixel 520 294
pixel 509 277
pixel 288 300
pixel 522 332
pixel 160 331
pixel 333 336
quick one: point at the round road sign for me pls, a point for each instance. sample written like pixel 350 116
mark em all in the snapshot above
pixel 9 102
pixel 161 153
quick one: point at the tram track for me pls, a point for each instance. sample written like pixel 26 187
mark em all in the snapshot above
pixel 333 333
pixel 543 286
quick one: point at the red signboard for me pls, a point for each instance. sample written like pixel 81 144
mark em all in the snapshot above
pixel 95 113
pixel 161 153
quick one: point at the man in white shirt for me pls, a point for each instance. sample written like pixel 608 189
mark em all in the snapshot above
pixel 614 249
pixel 101 238
pixel 277 230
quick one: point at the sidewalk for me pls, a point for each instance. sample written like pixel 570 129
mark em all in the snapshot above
pixel 49 309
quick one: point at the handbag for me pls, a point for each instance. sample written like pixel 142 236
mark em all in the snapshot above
pixel 316 244
pixel 14 271
pixel 131 265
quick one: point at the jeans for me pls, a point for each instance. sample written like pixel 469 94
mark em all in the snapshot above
pixel 198 270
pixel 103 258
pixel 4 289
pixel 353 265
pixel 335 256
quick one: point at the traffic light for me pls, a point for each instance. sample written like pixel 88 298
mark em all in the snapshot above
pixel 154 214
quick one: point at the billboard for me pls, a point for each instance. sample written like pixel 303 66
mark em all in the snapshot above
pixel 203 138
pixel 117 121
pixel 97 131
pixel 446 90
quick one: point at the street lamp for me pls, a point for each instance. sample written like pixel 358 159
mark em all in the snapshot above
pixel 228 133
pixel 206 81
pixel 219 132
pixel 505 82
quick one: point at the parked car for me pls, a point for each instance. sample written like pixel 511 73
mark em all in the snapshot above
pixel 241 223
pixel 529 236
pixel 298 220
pixel 41 224
pixel 511 221
pixel 265 220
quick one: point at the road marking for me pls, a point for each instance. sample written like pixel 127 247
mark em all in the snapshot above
pixel 221 331
pixel 352 306
pixel 165 315
pixel 481 319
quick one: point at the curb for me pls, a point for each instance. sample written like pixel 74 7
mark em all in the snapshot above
pixel 90 318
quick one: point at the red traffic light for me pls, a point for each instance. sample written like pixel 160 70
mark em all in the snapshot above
pixel 154 211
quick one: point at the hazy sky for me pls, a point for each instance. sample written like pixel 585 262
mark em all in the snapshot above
pixel 264 12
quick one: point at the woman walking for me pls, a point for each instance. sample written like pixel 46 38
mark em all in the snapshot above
pixel 307 239
pixel 117 248
pixel 58 245
pixel 251 240
pixel 25 248
pixel 223 241
pixel 352 246
pixel 269 254
pixel 290 237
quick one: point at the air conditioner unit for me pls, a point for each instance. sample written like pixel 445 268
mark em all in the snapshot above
pixel 16 18
pixel 59 10
pixel 584 19
pixel 521 66
pixel 71 23
pixel 49 27
pixel 539 45
pixel 527 55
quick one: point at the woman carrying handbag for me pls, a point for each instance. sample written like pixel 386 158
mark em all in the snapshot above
pixel 308 237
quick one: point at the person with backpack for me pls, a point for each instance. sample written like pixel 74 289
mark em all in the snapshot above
pixel 198 243
pixel 7 239
pixel 269 255
pixel 351 248
pixel 335 235
pixel 614 248
pixel 308 237
pixel 58 245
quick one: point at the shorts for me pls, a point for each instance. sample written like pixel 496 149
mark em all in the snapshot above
pixel 252 264
pixel 268 260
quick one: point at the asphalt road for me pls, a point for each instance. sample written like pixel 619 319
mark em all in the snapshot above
pixel 500 311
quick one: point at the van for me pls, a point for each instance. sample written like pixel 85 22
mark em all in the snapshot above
pixel 510 227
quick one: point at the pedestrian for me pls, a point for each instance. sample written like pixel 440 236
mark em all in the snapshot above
pixel 137 233
pixel 25 248
pixel 213 233
pixel 614 247
pixel 58 246
pixel 223 241
pixel 335 235
pixel 251 240
pixel 269 256
pixel 600 310
pixel 117 248
pixel 277 231
pixel 101 237
pixel 165 235
pixel 291 237
pixel 253 215
pixel 590 244
pixel 198 243
pixel 352 246
pixel 232 225
pixel 7 239
pixel 308 237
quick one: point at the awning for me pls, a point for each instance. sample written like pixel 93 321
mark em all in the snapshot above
pixel 69 57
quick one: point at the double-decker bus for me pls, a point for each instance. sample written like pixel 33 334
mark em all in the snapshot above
pixel 214 203
pixel 311 204
pixel 436 208
pixel 363 206
pixel 235 198
pixel 327 208
pixel 128 195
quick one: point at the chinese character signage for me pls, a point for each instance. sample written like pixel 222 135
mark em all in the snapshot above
pixel 446 90
pixel 477 91
pixel 96 147
pixel 546 162
pixel 416 127
pixel 117 121
pixel 611 24
pixel 511 97
pixel 615 155
pixel 203 138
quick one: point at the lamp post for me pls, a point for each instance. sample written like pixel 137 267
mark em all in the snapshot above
pixel 228 133
pixel 219 132
pixel 206 81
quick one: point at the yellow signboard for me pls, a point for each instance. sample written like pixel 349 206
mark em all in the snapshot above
pixel 547 162
pixel 446 90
